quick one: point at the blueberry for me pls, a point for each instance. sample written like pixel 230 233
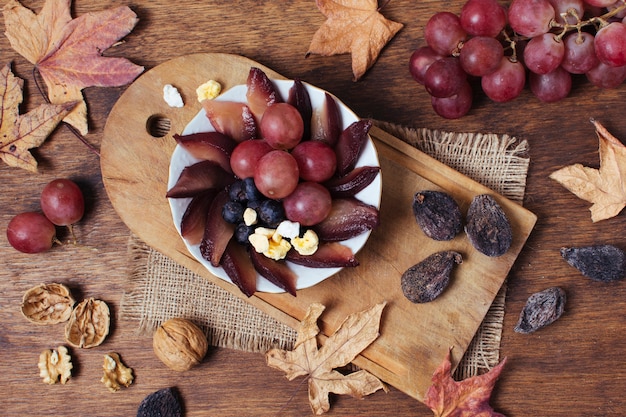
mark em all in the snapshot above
pixel 232 212
pixel 236 191
pixel 250 191
pixel 271 212
pixel 242 232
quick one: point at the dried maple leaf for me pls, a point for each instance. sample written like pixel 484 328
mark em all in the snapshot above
pixel 604 187
pixel 68 52
pixel 19 133
pixel 356 333
pixel 467 398
pixel 356 27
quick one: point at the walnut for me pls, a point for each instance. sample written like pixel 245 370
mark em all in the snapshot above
pixel 116 374
pixel 179 344
pixel 89 324
pixel 47 304
pixel 55 365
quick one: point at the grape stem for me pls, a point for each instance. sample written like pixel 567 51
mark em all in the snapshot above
pixel 599 21
pixel 71 128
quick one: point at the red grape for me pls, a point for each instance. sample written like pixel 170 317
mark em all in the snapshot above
pixel 282 126
pixel 505 83
pixel 309 204
pixel 600 3
pixel 316 160
pixel 420 61
pixel 610 44
pixel 443 32
pixel 276 175
pixel 31 232
pixel 483 18
pixel 481 55
pixel 543 53
pixel 531 17
pixel 62 202
pixel 606 76
pixel 246 155
pixel 444 77
pixel 580 55
pixel 455 106
pixel 552 86
pixel 565 8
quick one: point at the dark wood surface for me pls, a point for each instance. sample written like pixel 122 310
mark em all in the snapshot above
pixel 572 368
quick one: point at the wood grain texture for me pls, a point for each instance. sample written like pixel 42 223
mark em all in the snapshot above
pixel 572 368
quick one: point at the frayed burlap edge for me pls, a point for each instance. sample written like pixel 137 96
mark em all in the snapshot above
pixel 499 162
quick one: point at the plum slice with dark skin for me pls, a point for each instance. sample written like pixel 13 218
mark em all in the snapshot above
pixel 212 146
pixel 200 177
pixel 217 232
pixel 276 272
pixel 350 144
pixel 194 219
pixel 348 217
pixel 300 99
pixel 231 118
pixel 328 255
pixel 326 122
pixel 261 92
pixel 356 180
pixel 238 266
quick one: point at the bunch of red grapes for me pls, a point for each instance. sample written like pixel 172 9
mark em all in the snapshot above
pixel 542 41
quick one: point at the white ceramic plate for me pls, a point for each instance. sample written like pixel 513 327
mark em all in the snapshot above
pixel 307 277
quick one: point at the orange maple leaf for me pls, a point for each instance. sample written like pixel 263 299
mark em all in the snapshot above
pixel 356 333
pixel 468 398
pixel 68 52
pixel 356 27
pixel 19 133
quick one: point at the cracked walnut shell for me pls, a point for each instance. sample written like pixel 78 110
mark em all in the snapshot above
pixel 179 344
pixel 47 304
pixel 89 324
pixel 55 365
pixel 116 374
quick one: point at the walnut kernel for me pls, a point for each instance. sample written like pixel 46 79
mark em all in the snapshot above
pixel 179 344
pixel 116 374
pixel 89 324
pixel 55 365
pixel 47 304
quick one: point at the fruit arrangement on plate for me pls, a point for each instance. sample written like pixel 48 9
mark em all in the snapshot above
pixel 275 185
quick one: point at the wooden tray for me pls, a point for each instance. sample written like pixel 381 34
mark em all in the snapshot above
pixel 414 338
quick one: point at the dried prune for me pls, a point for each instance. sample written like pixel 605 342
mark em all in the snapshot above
pixel 487 226
pixel 604 263
pixel 426 280
pixel 165 402
pixel 437 214
pixel 541 309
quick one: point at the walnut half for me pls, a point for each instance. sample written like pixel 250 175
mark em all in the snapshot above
pixel 55 365
pixel 89 324
pixel 116 374
pixel 47 304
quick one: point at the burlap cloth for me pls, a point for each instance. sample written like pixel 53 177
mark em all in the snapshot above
pixel 159 288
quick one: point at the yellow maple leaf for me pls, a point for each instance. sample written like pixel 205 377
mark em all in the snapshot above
pixel 604 187
pixel 357 332
pixel 356 27
pixel 19 133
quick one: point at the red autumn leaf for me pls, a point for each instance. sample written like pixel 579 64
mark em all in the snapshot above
pixel 19 133
pixel 68 52
pixel 467 398
pixel 356 27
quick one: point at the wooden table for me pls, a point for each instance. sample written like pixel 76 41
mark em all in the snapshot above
pixel 572 368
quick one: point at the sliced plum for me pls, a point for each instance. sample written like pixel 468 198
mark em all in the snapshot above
pixel 199 177
pixel 350 144
pixel 326 121
pixel 349 217
pixel 194 219
pixel 238 266
pixel 261 92
pixel 231 118
pixel 300 99
pixel 328 255
pixel 276 272
pixel 218 232
pixel 356 180
pixel 212 146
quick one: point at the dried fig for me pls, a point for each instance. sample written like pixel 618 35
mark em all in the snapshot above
pixel 426 280
pixel 437 214
pixel 164 402
pixel 541 309
pixel 487 228
pixel 48 304
pixel 604 263
pixel 179 344
pixel 89 324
